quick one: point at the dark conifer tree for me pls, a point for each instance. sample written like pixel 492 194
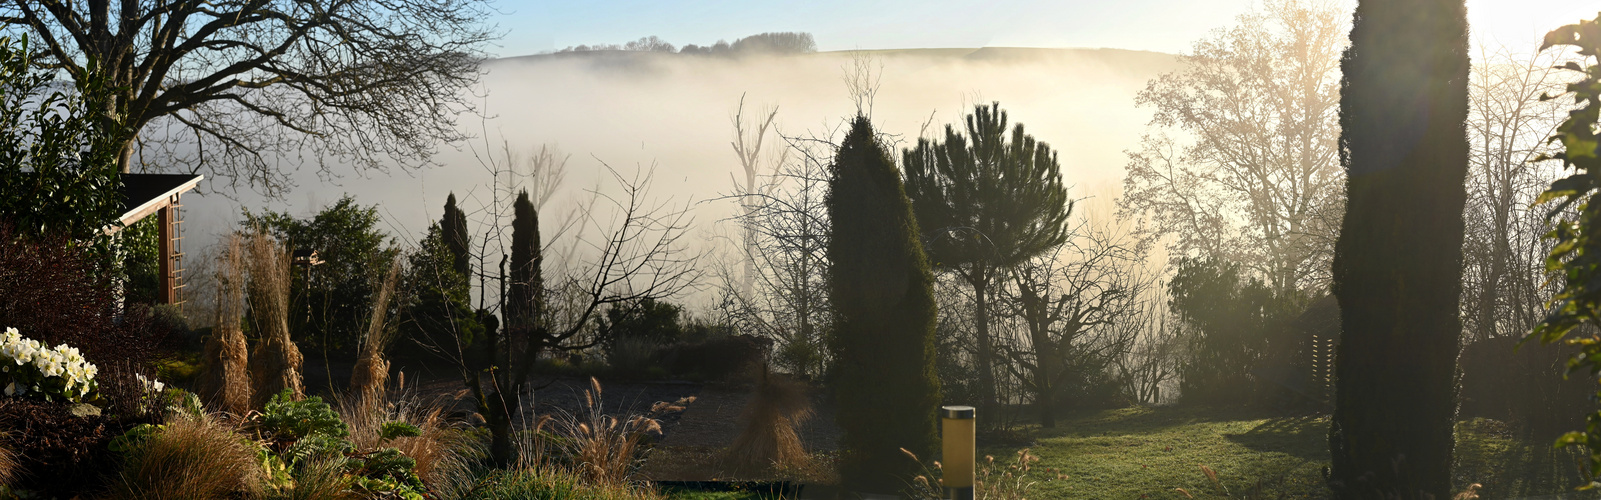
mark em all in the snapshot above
pixel 987 201
pixel 525 301
pixel 883 341
pixel 454 225
pixel 1398 262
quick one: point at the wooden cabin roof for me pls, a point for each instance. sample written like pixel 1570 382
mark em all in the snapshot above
pixel 143 194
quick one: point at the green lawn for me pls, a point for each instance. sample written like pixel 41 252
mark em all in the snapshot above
pixel 1149 452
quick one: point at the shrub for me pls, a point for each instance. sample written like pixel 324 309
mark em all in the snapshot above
pixel 717 359
pixel 631 329
pixel 50 290
pixel 1228 320
pixel 187 458
pixel 1519 385
pixel 346 236
pixel 61 454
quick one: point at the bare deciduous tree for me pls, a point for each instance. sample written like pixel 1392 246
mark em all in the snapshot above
pixel 747 144
pixel 786 257
pixel 1504 288
pixel 1242 161
pixel 234 87
pixel 629 247
pixel 1072 310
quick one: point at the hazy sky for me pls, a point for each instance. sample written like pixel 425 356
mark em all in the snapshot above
pixel 1160 25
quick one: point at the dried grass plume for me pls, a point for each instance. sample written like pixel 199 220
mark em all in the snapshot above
pixel 225 378
pixel 275 364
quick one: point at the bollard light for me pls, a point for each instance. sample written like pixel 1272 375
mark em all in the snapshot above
pixel 959 443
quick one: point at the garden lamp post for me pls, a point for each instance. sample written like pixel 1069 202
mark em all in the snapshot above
pixel 958 442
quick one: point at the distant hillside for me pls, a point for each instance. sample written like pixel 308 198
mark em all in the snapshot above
pixel 1135 63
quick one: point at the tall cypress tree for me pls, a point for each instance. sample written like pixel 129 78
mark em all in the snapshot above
pixel 525 301
pixel 987 201
pixel 1398 262
pixel 454 225
pixel 883 340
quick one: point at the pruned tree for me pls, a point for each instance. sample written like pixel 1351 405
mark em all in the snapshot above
pixel 986 202
pixel 525 303
pixel 883 337
pixel 1241 161
pixel 1398 262
pixel 233 87
pixel 1074 306
pixel 633 250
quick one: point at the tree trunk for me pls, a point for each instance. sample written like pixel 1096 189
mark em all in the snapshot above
pixel 986 349
pixel 1398 262
pixel 499 418
pixel 1044 358
pixel 125 157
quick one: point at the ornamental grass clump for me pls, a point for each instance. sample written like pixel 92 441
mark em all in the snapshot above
pixel 276 362
pixel 186 458
pixel 30 369
pixel 371 373
pixel 767 437
pixel 225 378
pixel 437 447
pixel 605 449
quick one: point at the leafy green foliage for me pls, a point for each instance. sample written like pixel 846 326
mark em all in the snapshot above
pixel 1575 259
pixel 397 429
pixel 645 322
pixel 881 287
pixel 1229 321
pixel 339 299
pixel 305 438
pixel 287 420
pixel 438 312
pixel 58 159
pixel 141 260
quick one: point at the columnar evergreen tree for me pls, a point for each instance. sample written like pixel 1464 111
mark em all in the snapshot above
pixel 454 226
pixel 1398 262
pixel 525 301
pixel 883 341
pixel 986 203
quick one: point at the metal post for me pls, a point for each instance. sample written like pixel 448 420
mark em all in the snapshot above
pixel 959 451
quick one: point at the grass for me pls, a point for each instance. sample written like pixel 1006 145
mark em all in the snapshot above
pixel 1137 453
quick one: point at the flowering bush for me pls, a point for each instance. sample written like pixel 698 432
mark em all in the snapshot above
pixel 28 367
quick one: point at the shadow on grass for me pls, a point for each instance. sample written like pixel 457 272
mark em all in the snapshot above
pixel 1303 437
pixel 1144 420
pixel 1488 453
